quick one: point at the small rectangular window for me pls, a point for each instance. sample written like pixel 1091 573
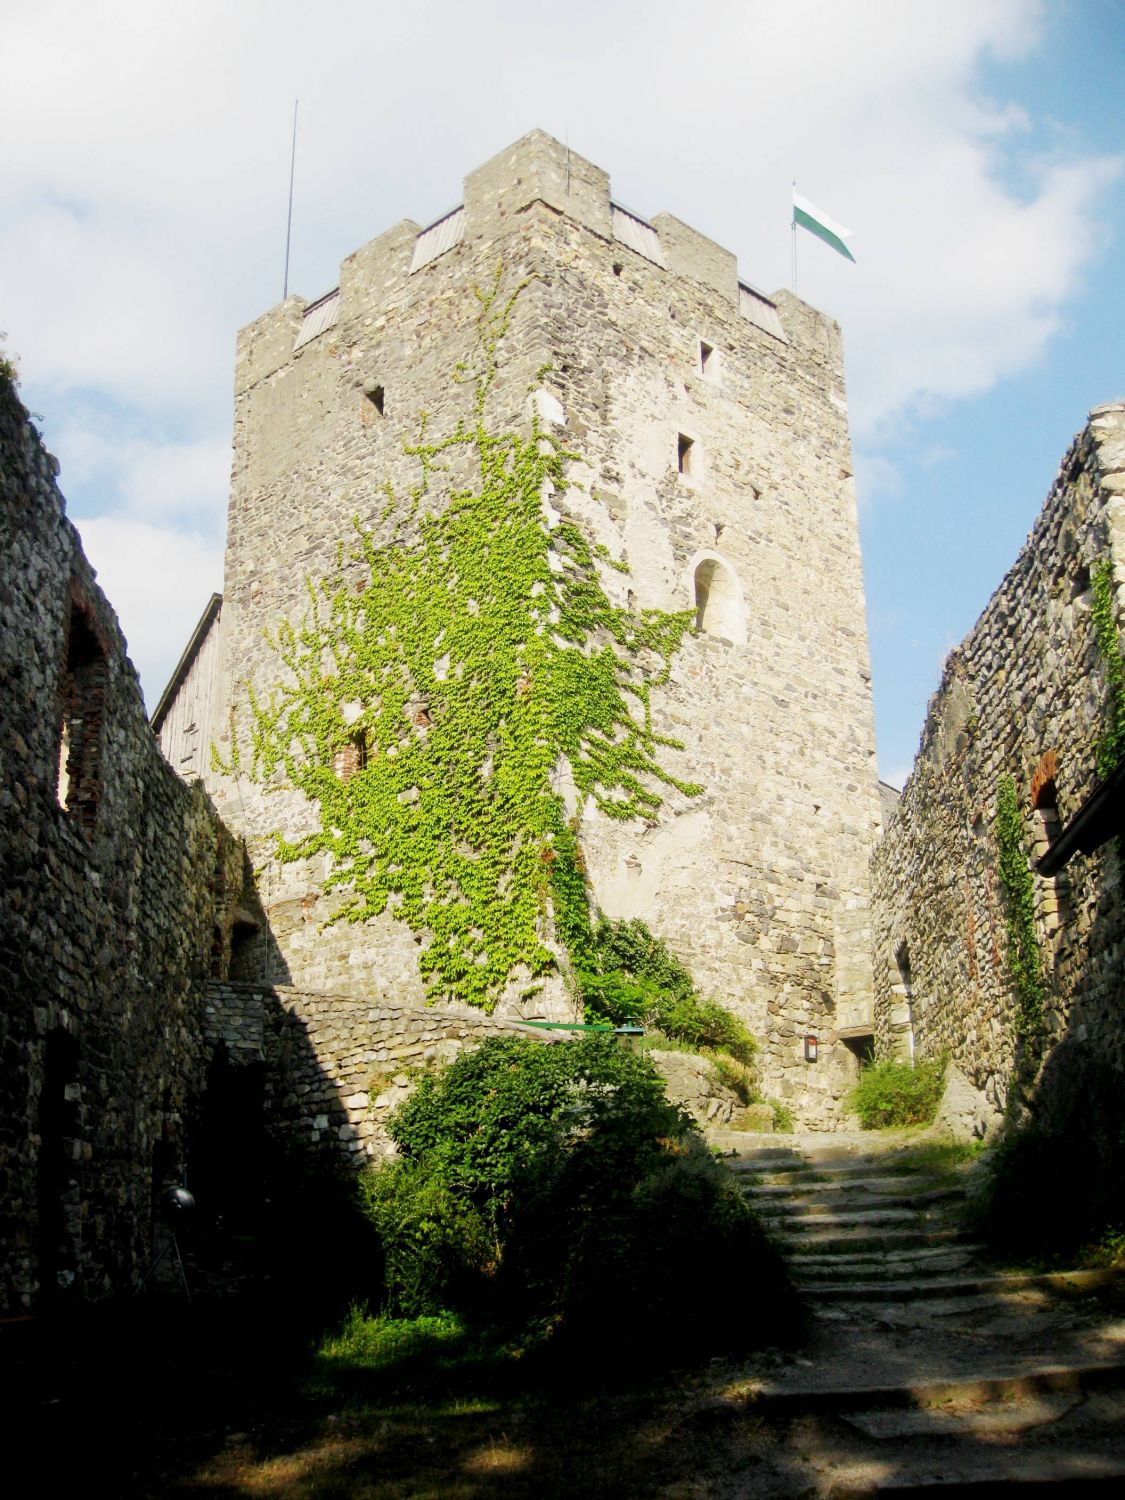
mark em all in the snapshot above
pixel 707 360
pixel 375 395
pixel 685 455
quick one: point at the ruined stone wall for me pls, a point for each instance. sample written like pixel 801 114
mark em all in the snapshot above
pixel 760 884
pixel 335 1066
pixel 115 877
pixel 1024 695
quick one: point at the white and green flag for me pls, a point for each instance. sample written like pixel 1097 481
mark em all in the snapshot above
pixel 817 222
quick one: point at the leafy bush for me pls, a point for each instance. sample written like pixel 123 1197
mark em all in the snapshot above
pixel 898 1093
pixel 635 980
pixel 435 1242
pixel 553 1188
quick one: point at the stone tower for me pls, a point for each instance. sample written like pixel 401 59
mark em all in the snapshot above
pixel 715 473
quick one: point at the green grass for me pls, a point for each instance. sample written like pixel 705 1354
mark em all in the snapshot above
pixel 936 1158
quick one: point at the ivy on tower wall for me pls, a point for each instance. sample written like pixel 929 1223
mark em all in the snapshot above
pixel 466 665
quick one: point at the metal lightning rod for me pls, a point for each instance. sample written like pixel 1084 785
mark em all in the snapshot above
pixel 289 222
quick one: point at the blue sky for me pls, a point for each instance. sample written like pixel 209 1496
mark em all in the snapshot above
pixel 975 150
pixel 970 478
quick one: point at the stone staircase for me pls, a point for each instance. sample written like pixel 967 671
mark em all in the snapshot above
pixel 860 1227
pixel 928 1369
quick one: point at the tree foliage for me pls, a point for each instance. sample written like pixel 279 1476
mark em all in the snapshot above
pixel 555 1188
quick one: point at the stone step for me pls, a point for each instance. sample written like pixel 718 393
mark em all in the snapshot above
pixel 791 1164
pixel 898 1284
pixel 789 1212
pixel 1076 1472
pixel 799 1399
pixel 797 1219
pixel 814 1270
pixel 985 1283
pixel 833 1239
pixel 891 1185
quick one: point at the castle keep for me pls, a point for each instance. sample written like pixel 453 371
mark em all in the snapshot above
pixel 708 468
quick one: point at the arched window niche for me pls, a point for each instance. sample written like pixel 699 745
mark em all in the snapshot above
pixel 717 595
pixel 1045 830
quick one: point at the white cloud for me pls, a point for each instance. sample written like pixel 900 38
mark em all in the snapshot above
pixel 142 215
pixel 146 204
pixel 146 479
pixel 158 581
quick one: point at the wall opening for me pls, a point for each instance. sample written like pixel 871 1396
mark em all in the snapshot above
pixel 82 693
pixel 1045 829
pixel 718 602
pixel 351 757
pixel 376 396
pixel 902 1009
pixel 708 361
pixel 861 1045
pixel 685 455
pixel 247 949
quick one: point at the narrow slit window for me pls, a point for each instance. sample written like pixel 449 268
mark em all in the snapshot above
pixel 82 692
pixel 685 455
pixel 377 397
pixel 902 1008
pixel 1046 828
pixel 708 361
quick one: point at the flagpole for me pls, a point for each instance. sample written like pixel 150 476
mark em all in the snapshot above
pixel 793 227
pixel 289 220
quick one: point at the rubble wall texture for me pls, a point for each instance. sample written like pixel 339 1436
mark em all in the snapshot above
pixel 336 1066
pixel 1024 695
pixel 110 910
pixel 760 884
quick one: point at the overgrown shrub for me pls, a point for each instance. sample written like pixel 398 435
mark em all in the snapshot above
pixel 636 980
pixel 898 1093
pixel 555 1189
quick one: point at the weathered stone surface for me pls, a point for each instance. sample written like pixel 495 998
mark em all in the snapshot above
pixel 761 884
pixel 965 1112
pixel 302 1039
pixel 118 889
pixel 1023 695
pixel 690 1080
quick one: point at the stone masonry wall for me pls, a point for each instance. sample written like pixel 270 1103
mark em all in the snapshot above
pixel 1024 694
pixel 760 884
pixel 335 1066
pixel 115 879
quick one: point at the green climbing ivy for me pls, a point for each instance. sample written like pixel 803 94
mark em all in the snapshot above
pixel 1111 744
pixel 1024 964
pixel 466 663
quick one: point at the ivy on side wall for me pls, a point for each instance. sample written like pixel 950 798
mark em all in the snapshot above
pixel 1024 964
pixel 1111 744
pixel 465 665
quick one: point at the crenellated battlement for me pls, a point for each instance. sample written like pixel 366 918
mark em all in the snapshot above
pixel 535 171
